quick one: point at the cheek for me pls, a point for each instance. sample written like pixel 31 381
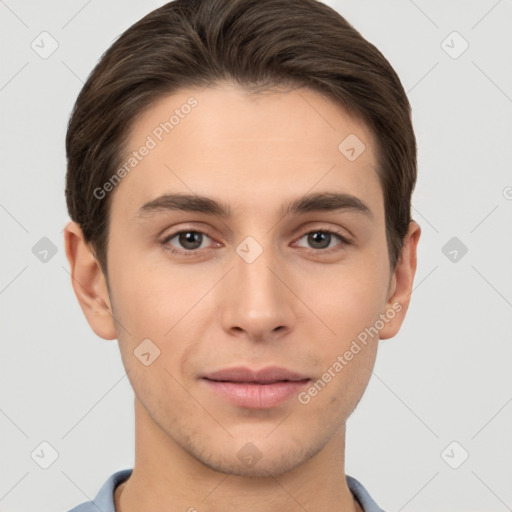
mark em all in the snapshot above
pixel 149 299
pixel 165 305
pixel 343 360
pixel 151 305
pixel 348 302
pixel 346 299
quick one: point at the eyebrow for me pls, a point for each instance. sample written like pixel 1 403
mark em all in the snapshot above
pixel 326 202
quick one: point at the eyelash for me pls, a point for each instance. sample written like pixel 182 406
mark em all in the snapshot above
pixel 194 252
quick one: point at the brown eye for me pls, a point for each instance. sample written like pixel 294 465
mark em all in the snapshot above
pixel 188 241
pixel 320 240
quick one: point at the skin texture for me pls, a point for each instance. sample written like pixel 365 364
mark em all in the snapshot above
pixel 296 306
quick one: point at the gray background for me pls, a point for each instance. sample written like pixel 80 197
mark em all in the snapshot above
pixel 446 377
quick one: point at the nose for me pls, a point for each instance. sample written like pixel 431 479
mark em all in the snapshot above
pixel 257 301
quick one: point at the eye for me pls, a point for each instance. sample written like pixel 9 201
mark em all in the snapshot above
pixel 188 239
pixel 320 239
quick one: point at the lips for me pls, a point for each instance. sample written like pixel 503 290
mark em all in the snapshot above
pixel 248 376
pixel 255 389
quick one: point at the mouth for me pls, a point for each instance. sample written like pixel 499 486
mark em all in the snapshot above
pixel 256 389
pixel 246 375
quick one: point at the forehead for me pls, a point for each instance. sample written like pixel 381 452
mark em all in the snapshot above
pixel 246 149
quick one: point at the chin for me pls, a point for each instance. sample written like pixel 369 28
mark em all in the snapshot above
pixel 249 461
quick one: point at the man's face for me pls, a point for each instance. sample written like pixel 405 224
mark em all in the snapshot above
pixel 253 289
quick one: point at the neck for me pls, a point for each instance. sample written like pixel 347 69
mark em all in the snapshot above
pixel 167 478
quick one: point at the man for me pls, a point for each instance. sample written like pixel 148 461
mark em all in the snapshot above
pixel 239 182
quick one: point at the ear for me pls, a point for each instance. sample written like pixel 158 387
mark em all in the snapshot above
pixel 400 287
pixel 89 283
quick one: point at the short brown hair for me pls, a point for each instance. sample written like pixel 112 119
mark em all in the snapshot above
pixel 258 44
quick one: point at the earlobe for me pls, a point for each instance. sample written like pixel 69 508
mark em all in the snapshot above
pixel 401 284
pixel 89 283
